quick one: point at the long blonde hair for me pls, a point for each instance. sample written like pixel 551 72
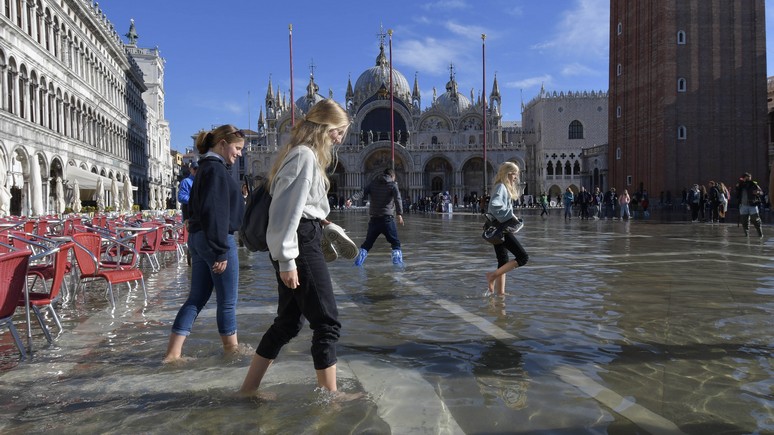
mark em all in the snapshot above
pixel 314 131
pixel 502 177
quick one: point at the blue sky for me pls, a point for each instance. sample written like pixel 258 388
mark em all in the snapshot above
pixel 219 58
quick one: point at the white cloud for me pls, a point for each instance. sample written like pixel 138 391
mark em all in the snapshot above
pixel 468 32
pixel 530 82
pixel 583 31
pixel 429 55
pixel 578 69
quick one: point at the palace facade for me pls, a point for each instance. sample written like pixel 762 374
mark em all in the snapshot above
pixel 73 106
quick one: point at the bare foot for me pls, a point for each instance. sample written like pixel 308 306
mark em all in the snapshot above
pixel 171 359
pixel 257 394
pixel 340 397
pixel 238 350
pixel 490 280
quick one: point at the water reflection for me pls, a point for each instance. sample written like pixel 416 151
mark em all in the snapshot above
pixel 663 317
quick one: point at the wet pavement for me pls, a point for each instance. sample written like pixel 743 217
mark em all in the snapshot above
pixel 619 327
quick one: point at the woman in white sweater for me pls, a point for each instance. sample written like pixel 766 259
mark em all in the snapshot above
pixel 298 185
pixel 501 207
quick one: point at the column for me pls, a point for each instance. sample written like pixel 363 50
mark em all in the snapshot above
pixel 4 91
pixel 22 91
pixel 33 93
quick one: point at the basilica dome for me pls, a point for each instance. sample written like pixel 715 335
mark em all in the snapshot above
pixel 378 77
pixel 306 102
pixel 451 101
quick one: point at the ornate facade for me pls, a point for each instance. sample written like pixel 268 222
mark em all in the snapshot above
pixel 71 105
pixel 438 148
pixel 566 133
pixel 161 171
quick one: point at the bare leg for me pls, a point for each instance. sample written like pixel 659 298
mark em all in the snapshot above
pixel 230 344
pixel 499 285
pixel 174 348
pixel 326 378
pixel 258 367
pixel 491 277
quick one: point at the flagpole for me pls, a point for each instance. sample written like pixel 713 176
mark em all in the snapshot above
pixel 483 99
pixel 292 100
pixel 392 113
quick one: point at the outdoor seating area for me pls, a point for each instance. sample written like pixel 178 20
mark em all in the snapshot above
pixel 48 260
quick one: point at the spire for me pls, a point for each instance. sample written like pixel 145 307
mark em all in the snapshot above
pixel 495 88
pixel 350 93
pixel 416 100
pixel 381 59
pixel 311 88
pixel 451 87
pixel 269 91
pixel 132 34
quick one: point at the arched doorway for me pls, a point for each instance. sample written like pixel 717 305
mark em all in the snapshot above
pixel 439 175
pixel 473 176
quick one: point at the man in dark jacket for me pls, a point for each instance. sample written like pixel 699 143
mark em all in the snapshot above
pixel 386 207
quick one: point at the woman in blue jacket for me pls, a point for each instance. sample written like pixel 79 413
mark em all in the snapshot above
pixel 216 207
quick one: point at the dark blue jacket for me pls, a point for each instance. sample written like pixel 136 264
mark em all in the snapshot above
pixel 216 205
pixel 385 197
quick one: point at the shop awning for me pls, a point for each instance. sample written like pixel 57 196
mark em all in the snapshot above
pixel 88 180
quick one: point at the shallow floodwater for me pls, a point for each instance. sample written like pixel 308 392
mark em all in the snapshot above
pixel 613 327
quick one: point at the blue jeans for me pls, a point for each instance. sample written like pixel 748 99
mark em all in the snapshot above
pixel 203 280
pixel 381 225
pixel 313 299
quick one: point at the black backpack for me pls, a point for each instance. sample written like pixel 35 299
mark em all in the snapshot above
pixel 256 218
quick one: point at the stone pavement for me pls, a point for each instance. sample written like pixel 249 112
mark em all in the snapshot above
pixel 656 326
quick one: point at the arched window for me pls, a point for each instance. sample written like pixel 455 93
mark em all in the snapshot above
pixel 681 37
pixel 472 140
pixel 576 130
pixel 681 85
pixel 576 168
pixel 618 112
pixel 618 153
pixel 567 168
pixel 618 69
pixel 682 132
pixel 434 140
pixel 620 28
pixel 550 169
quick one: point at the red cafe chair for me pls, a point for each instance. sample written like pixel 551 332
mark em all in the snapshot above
pixel 13 278
pixel 88 250
pixel 46 299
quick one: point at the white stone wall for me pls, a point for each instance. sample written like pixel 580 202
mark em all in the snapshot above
pixel 69 96
pixel 550 116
